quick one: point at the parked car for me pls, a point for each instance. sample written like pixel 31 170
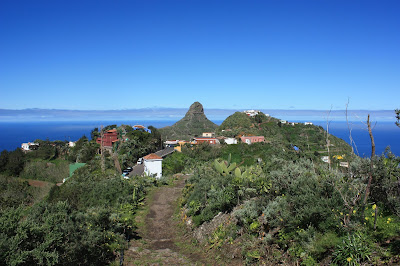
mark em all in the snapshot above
pixel 129 169
pixel 125 175
pixel 140 161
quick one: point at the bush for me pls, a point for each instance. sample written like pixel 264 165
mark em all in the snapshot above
pixel 296 187
pixel 46 171
pixel 353 250
pixel 174 163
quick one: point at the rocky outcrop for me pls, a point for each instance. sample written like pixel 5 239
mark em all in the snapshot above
pixel 193 124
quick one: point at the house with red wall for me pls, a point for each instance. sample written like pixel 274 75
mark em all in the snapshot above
pixel 252 139
pixel 109 137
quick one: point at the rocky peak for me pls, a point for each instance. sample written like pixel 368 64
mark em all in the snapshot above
pixel 193 124
pixel 196 108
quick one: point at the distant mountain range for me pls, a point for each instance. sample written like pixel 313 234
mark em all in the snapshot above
pixel 174 114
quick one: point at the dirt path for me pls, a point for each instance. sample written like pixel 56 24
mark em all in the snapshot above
pixel 159 243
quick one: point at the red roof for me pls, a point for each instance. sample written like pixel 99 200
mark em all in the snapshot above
pixel 152 156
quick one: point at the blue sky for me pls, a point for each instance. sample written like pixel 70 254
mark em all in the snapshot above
pixel 309 54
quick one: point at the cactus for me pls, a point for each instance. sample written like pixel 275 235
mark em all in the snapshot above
pixel 239 174
pixel 134 194
pixel 218 167
pixel 224 167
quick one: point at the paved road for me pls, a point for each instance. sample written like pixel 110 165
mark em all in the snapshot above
pixel 137 170
pixel 164 152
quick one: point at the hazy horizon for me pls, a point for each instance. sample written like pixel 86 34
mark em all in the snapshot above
pixel 172 114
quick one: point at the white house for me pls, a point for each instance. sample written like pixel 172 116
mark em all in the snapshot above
pixel 208 134
pixel 171 143
pixel 153 165
pixel 325 159
pixel 283 121
pixel 71 144
pixel 308 123
pixel 230 141
pixel 251 113
pixel 26 146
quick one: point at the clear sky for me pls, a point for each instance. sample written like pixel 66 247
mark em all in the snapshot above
pixel 122 54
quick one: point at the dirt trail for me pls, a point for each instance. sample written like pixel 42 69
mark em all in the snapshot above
pixel 158 243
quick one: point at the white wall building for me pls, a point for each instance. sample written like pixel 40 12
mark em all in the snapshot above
pixel 171 143
pixel 325 159
pixel 153 165
pixel 251 113
pixel 230 141
pixel 308 123
pixel 26 146
pixel 208 134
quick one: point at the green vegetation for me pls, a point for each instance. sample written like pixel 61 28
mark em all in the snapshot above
pixel 136 144
pixel 88 219
pixel 292 206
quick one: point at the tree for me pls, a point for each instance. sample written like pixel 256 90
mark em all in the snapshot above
pixel 3 160
pixel 398 117
pixel 15 162
pixel 94 134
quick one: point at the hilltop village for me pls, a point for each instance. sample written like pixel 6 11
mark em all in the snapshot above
pixel 240 193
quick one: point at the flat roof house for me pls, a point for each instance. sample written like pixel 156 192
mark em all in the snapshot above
pixel 252 139
pixel 208 140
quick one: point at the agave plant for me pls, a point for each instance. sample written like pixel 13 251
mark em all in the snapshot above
pixel 225 167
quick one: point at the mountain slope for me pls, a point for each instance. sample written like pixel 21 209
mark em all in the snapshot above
pixel 193 124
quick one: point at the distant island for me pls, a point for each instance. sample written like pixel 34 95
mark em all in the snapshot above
pixel 160 113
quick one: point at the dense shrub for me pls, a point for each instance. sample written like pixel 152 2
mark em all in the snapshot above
pixel 353 250
pixel 53 172
pixel 55 234
pixel 174 163
pixel 14 192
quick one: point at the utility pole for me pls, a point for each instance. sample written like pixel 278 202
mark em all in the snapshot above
pixel 371 167
pixel 328 143
pixel 103 164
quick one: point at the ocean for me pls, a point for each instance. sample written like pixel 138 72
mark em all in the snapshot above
pixel 386 134
pixel 12 134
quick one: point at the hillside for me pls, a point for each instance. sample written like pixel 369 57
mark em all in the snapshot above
pixel 193 124
pixel 308 138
